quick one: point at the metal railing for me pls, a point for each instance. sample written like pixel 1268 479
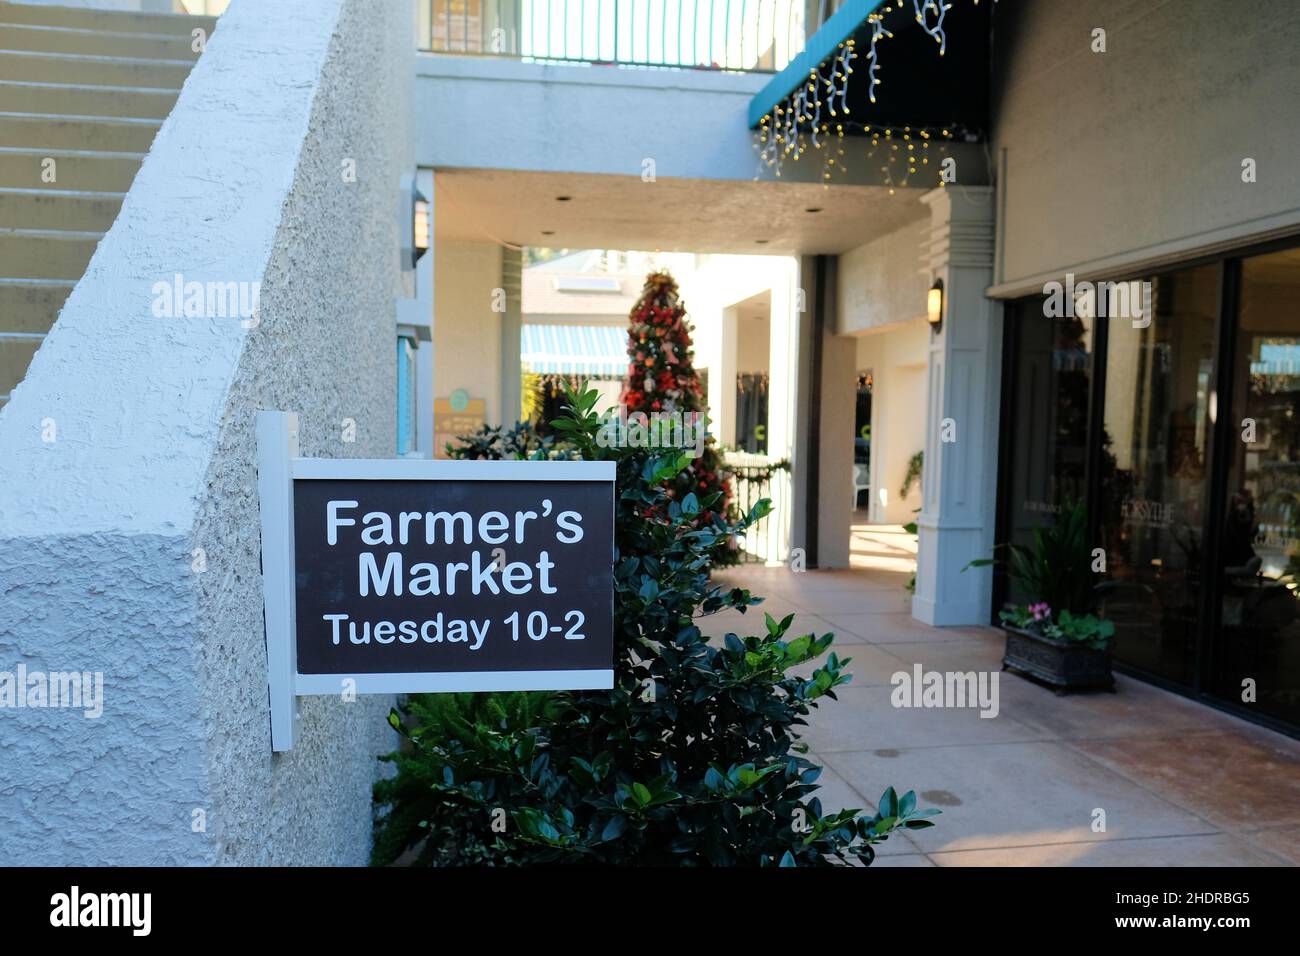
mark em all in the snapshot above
pixel 755 477
pixel 743 35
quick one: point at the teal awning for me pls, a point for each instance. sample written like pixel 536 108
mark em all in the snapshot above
pixel 574 349
pixel 841 25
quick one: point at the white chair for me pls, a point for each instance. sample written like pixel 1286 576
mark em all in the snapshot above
pixel 861 482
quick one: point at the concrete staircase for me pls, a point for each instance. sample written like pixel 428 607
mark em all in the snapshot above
pixel 82 93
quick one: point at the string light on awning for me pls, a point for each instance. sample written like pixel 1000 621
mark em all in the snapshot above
pixel 816 115
pixel 924 9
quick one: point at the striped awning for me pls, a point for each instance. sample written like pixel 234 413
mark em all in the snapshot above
pixel 574 349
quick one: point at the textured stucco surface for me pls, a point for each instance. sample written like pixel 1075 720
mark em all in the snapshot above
pixel 120 788
pixel 1136 152
pixel 886 281
pixel 155 457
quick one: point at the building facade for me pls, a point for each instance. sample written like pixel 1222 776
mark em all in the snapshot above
pixel 1064 254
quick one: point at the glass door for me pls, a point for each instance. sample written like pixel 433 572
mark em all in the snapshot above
pixel 1152 482
pixel 1256 650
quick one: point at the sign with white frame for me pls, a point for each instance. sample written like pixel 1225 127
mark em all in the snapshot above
pixel 409 575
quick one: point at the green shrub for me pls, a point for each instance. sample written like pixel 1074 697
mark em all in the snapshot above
pixel 427 821
pixel 521 440
pixel 692 759
pixel 1086 629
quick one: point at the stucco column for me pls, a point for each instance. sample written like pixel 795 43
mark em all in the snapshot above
pixel 722 385
pixel 837 392
pixel 961 423
pixel 512 326
pixel 786 396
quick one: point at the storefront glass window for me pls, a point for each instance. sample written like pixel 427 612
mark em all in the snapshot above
pixel 1258 644
pixel 1049 418
pixel 1152 471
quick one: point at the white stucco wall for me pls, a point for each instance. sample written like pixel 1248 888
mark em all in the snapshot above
pixel 154 457
pixel 1134 155
pixel 594 119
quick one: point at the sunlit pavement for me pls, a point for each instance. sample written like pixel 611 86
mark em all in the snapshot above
pixel 884 547
pixel 1180 783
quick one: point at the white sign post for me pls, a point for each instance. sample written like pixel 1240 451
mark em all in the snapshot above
pixel 277 450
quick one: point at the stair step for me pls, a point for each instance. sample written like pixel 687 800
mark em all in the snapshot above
pixel 15 356
pixel 97 42
pixel 82 94
pixel 30 306
pixel 65 99
pixel 46 254
pixel 88 70
pixel 118 134
pixel 118 20
pixel 72 169
pixel 58 209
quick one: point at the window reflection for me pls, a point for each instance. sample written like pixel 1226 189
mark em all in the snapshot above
pixel 1151 471
pixel 1049 418
pixel 1153 489
pixel 1259 636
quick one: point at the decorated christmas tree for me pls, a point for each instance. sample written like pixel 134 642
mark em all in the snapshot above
pixel 661 378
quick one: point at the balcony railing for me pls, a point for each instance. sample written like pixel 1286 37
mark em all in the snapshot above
pixel 744 35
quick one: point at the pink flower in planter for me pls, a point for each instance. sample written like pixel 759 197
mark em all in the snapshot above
pixel 1041 611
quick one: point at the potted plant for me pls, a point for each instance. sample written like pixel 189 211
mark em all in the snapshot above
pixel 1055 638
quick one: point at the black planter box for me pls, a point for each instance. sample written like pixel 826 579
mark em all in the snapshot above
pixel 1064 665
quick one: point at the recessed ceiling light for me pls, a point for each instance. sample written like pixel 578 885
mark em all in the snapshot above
pixel 563 198
pixel 548 232
pixel 761 242
pixel 813 209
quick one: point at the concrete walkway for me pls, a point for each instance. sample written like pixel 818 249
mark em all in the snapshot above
pixel 1181 783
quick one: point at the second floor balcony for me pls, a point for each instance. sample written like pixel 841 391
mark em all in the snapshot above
pixel 733 35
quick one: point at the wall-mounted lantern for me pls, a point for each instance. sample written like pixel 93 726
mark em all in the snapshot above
pixel 414 224
pixel 934 305
pixel 420 225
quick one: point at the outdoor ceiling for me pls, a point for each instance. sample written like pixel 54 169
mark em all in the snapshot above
pixel 670 215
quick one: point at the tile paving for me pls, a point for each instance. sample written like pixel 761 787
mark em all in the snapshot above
pixel 1180 783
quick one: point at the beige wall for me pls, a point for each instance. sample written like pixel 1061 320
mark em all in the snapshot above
pixel 897 360
pixel 753 337
pixel 1134 155
pixel 884 282
pixel 880 312
pixel 716 292
pixel 466 332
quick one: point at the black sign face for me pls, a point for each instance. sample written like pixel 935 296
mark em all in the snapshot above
pixel 453 576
